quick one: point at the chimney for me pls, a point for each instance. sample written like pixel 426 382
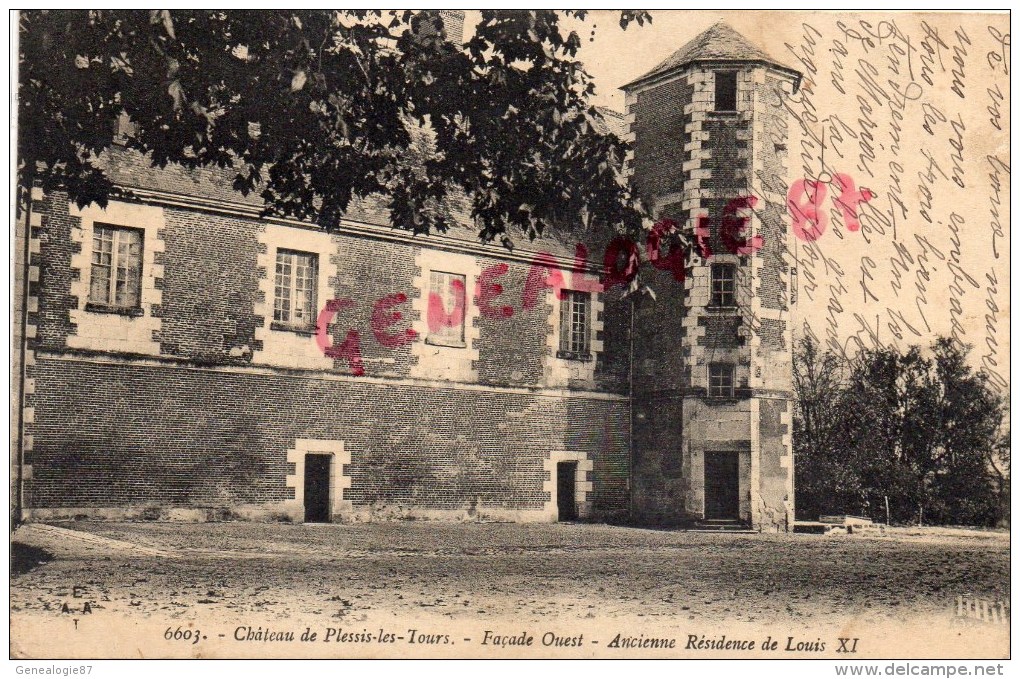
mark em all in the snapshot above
pixel 453 22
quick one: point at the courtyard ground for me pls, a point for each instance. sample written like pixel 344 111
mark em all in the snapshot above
pixel 452 582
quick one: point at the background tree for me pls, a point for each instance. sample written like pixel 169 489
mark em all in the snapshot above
pixel 316 107
pixel 999 460
pixel 973 462
pixel 919 429
pixel 885 422
pixel 823 474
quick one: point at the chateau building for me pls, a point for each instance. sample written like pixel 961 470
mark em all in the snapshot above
pixel 182 357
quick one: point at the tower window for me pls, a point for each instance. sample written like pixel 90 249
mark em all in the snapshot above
pixel 725 90
pixel 720 380
pixel 724 285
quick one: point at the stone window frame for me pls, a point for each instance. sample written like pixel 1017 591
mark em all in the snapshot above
pixel 433 361
pixel 339 476
pixel 584 485
pixel 99 327
pixel 282 345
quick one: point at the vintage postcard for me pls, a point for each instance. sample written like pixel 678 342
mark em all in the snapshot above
pixel 511 334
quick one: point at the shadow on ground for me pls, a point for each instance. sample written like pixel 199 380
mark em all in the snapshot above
pixel 25 558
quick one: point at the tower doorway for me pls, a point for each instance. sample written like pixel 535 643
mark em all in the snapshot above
pixel 722 486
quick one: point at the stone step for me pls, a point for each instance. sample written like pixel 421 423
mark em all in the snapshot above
pixel 720 526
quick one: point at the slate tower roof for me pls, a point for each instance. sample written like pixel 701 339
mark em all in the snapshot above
pixel 719 43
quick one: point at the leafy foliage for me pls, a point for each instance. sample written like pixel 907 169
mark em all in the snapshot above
pixel 917 427
pixel 316 107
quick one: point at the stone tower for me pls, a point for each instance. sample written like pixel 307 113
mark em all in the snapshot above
pixel 713 354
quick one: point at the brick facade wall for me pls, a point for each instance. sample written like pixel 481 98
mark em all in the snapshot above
pixel 725 162
pixel 518 362
pixel 721 332
pixel 771 333
pixel 54 286
pixel 210 279
pixel 217 405
pixel 661 374
pixel 659 138
pixel 115 434
pixel 613 364
pixel 200 423
pixel 772 283
pixel 368 271
pixel 658 330
pixel 211 294
pixel 772 124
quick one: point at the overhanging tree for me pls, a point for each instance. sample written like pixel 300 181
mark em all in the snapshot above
pixel 314 108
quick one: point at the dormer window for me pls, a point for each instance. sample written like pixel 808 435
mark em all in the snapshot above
pixel 725 90
pixel 122 128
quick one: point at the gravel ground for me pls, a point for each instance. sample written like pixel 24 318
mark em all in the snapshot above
pixel 477 574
